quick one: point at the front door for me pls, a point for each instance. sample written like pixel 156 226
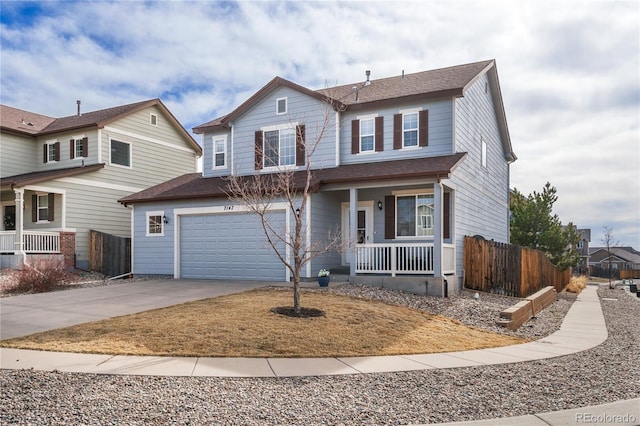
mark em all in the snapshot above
pixel 9 218
pixel 364 219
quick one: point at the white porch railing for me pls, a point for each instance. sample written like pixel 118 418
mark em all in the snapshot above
pixel 405 258
pixel 34 241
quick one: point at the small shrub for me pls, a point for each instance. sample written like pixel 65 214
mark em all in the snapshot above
pixel 42 276
pixel 576 284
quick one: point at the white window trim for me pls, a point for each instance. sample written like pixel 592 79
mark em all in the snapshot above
pixel 153 117
pixel 289 126
pixel 75 147
pixel 483 153
pixel 286 105
pixel 373 147
pixel 417 129
pixel 162 224
pixel 49 143
pixel 130 166
pixel 224 152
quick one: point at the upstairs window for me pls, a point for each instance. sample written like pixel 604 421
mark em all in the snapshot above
pixel 51 152
pixel 120 153
pixel 281 106
pixel 366 135
pixel 219 153
pixel 153 119
pixel 280 146
pixel 410 129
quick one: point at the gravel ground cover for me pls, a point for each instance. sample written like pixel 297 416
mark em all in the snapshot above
pixel 607 373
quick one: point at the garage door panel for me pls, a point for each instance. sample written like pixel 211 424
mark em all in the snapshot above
pixel 228 246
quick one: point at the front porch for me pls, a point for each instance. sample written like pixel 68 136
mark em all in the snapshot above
pixel 402 258
pixel 35 245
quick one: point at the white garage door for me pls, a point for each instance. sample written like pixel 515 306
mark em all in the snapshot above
pixel 229 246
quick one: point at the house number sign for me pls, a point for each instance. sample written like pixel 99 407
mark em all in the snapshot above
pixel 228 208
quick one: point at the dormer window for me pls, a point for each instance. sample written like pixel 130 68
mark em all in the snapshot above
pixel 281 106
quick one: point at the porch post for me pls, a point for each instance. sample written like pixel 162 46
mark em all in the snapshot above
pixel 18 241
pixel 437 229
pixel 353 229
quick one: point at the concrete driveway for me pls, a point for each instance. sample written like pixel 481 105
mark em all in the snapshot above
pixel 27 314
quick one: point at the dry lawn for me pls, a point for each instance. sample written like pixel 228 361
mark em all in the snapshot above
pixel 242 325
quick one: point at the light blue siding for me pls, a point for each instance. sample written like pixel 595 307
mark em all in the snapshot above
pixel 481 194
pixel 439 140
pixel 325 221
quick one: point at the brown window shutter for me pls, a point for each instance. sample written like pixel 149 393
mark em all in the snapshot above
pixel 51 207
pixel 45 156
pixel 72 149
pixel 379 134
pixel 258 150
pixel 397 131
pixel 34 207
pixel 85 146
pixel 300 145
pixel 389 217
pixel 446 215
pixel 355 136
pixel 57 149
pixel 423 130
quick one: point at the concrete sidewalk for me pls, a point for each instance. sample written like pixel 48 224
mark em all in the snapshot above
pixel 583 328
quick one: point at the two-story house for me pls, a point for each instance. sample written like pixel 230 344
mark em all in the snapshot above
pixel 61 177
pixel 404 166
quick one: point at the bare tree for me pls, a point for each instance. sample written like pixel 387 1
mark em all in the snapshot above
pixel 257 193
pixel 609 242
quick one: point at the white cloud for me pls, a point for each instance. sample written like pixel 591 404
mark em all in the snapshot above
pixel 569 71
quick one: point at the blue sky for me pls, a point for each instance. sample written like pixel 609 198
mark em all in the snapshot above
pixel 569 71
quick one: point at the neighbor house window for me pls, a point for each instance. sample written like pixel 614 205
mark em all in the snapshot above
pixel 414 217
pixel 120 153
pixel 51 152
pixel 155 223
pixel 367 132
pixel 43 208
pixel 279 147
pixel 219 153
pixel 281 106
pixel 79 147
pixel 153 120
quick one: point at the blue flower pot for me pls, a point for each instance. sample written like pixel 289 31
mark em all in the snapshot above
pixel 324 281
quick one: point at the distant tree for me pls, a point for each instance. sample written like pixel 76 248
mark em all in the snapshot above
pixel 609 242
pixel 534 225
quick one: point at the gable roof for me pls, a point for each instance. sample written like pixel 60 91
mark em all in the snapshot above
pixel 194 185
pixel 25 179
pixel 99 119
pixel 21 121
pixel 433 84
pixel 628 254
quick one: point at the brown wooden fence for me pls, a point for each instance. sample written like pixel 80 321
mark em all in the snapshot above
pixel 109 254
pixel 507 269
pixel 626 274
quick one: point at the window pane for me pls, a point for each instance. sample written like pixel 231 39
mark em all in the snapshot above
pixel 287 147
pixel 120 153
pixel 406 216
pixel 219 149
pixel 155 224
pixel 43 207
pixel 271 148
pixel 51 149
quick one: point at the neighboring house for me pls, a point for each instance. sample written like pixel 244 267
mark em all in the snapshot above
pixel 618 257
pixel 583 249
pixel 414 162
pixel 61 177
